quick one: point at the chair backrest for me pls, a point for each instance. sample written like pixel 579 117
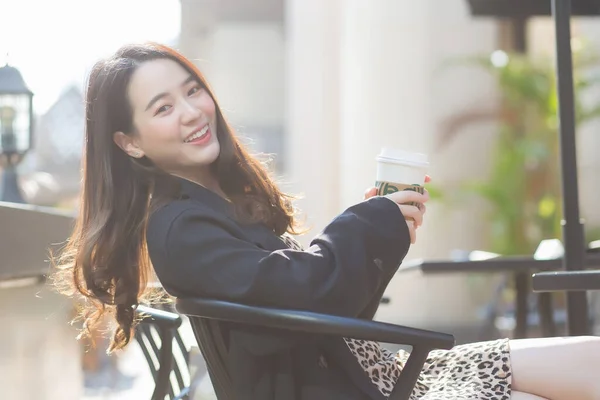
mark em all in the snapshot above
pixel 167 355
pixel 204 315
pixel 210 340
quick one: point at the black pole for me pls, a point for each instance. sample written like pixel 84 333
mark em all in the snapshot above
pixel 573 237
pixel 522 280
pixel 10 186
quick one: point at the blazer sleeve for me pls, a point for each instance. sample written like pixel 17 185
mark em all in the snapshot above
pixel 338 274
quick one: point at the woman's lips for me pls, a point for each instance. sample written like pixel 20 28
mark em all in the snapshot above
pixel 202 139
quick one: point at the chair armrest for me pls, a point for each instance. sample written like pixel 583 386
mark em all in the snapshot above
pixel 569 281
pixel 311 322
pixel 422 341
pixel 161 318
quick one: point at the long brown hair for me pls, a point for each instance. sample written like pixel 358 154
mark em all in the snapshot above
pixel 106 260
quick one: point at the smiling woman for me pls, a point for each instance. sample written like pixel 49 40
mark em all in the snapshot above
pixel 151 122
pixel 174 119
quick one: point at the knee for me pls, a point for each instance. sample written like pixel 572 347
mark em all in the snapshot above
pixel 591 346
pixel 588 352
pixel 584 353
pixel 589 369
pixel 594 392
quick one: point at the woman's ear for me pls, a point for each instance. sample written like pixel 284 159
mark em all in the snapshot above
pixel 127 144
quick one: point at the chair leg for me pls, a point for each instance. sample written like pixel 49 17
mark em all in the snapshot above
pixel 409 375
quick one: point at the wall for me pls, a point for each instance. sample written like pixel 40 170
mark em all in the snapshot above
pixel 39 355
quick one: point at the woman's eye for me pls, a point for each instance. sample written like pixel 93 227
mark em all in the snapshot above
pixel 194 90
pixel 162 109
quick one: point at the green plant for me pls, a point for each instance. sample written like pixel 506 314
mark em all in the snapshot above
pixel 523 188
pixel 592 233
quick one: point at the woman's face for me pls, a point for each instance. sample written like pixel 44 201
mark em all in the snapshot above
pixel 174 119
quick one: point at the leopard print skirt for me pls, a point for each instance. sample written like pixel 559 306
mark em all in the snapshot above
pixel 474 371
pixel 471 371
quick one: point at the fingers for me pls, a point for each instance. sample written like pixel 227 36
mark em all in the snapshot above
pixel 412 231
pixel 371 192
pixel 409 196
pixel 412 212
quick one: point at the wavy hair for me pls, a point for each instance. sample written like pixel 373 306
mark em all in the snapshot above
pixel 106 260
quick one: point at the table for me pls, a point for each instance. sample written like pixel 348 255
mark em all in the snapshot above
pixel 521 269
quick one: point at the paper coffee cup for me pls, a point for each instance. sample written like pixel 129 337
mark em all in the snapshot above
pixel 400 170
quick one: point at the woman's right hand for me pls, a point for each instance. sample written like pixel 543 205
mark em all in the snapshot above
pixel 412 214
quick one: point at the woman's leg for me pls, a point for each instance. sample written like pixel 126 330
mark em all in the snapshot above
pixel 524 396
pixel 557 368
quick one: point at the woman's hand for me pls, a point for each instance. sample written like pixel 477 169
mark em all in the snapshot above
pixel 412 214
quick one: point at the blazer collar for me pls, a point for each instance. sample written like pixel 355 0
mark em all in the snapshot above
pixel 206 196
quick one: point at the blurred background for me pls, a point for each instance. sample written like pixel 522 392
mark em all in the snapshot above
pixel 320 86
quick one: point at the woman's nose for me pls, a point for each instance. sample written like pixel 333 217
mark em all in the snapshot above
pixel 190 113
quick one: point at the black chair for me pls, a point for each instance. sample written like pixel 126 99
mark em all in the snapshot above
pixel 205 315
pixel 571 281
pixel 168 358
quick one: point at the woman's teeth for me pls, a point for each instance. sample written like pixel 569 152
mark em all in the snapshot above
pixel 198 134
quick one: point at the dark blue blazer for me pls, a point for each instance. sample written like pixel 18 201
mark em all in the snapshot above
pixel 197 248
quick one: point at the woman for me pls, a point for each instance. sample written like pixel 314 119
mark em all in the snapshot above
pixel 167 185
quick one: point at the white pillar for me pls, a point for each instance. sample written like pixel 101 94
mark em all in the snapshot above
pixel 247 74
pixel 196 39
pixel 385 71
pixel 312 107
pixel 393 93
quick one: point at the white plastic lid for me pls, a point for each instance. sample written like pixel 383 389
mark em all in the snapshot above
pixel 402 156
